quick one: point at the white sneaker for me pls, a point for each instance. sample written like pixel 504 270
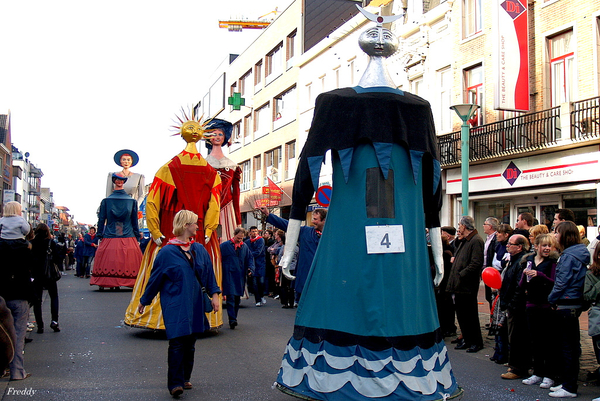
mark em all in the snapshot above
pixel 547 383
pixel 258 304
pixel 532 380
pixel 264 301
pixel 556 388
pixel 596 399
pixel 562 393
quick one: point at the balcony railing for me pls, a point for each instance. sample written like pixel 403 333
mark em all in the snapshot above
pixel 585 119
pixel 521 134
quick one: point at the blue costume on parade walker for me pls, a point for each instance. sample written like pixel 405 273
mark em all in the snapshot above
pixel 367 325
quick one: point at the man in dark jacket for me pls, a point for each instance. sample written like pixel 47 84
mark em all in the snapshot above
pixel 256 244
pixel 463 284
pixel 512 301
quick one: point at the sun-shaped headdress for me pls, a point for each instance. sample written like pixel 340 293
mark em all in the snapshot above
pixel 186 116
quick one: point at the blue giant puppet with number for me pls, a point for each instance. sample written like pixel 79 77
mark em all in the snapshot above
pixel 367 325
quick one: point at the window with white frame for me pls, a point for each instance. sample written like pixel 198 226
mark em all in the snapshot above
pixel 416 86
pixel 562 67
pixel 309 97
pixel 444 120
pixel 274 61
pixel 236 134
pixel 245 184
pixel 273 164
pixel 262 121
pixel 290 160
pixel 473 80
pixel 256 171
pixel 336 73
pixel 248 129
pixel 258 73
pixel 285 108
pixel 290 47
pixel 246 84
pixel 351 72
pixel 472 20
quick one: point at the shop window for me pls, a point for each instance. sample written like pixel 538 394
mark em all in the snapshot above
pixel 379 196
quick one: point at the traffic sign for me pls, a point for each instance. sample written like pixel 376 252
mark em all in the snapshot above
pixel 323 196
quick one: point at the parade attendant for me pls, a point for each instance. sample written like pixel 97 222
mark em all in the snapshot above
pixel 186 182
pixel 79 247
pixel 237 264
pixel 356 336
pixel 256 244
pixel 90 241
pixel 181 268
pixel 230 173
pixel 136 183
pixel 119 256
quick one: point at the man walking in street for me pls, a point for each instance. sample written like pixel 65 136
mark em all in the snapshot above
pixel 463 284
pixel 256 243
pixel 237 262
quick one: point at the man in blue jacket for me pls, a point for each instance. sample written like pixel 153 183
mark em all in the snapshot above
pixel 308 240
pixel 256 243
pixel 237 262
pixel 91 241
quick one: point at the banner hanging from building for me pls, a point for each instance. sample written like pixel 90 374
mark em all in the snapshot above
pixel 511 56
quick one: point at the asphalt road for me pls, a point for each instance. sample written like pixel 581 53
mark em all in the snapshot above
pixel 96 357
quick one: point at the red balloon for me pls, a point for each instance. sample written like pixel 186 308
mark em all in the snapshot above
pixel 491 277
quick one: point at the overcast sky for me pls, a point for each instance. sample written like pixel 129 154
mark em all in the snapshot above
pixel 85 79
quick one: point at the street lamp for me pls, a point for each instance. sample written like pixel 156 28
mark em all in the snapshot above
pixel 465 112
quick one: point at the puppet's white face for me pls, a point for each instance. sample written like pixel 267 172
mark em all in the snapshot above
pixel 378 42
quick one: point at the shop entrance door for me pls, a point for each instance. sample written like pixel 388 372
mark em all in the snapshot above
pixel 543 211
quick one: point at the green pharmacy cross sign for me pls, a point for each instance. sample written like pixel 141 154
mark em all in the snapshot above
pixel 237 101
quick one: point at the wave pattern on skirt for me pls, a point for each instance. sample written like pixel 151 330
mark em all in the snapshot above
pixel 324 371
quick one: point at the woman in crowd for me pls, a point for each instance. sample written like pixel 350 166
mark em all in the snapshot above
pixel 534 232
pixel 181 269
pixel 498 319
pixel 40 245
pixel 537 282
pixel 567 298
pixel 591 294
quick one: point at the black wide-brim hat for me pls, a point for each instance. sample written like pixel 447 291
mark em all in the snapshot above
pixel 134 156
pixel 116 176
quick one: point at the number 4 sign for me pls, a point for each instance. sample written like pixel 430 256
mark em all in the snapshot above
pixel 385 239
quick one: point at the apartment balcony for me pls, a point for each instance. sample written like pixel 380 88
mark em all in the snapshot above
pixel 35 191
pixel 530 133
pixel 35 172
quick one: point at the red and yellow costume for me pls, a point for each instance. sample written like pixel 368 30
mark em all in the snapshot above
pixel 187 182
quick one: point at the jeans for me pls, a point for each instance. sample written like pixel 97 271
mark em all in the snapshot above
pixel 259 288
pixel 180 360
pixel 20 312
pixel 38 292
pixel 569 347
pixel 87 264
pixel 233 306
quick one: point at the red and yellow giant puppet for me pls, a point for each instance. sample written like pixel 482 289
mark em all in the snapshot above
pixel 188 182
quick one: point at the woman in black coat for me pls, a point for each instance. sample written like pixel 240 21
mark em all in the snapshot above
pixel 40 245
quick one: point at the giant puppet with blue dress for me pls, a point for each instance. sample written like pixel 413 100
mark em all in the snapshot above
pixel 118 258
pixel 367 325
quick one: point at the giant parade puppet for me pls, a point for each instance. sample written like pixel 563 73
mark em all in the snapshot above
pixel 188 182
pixel 366 326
